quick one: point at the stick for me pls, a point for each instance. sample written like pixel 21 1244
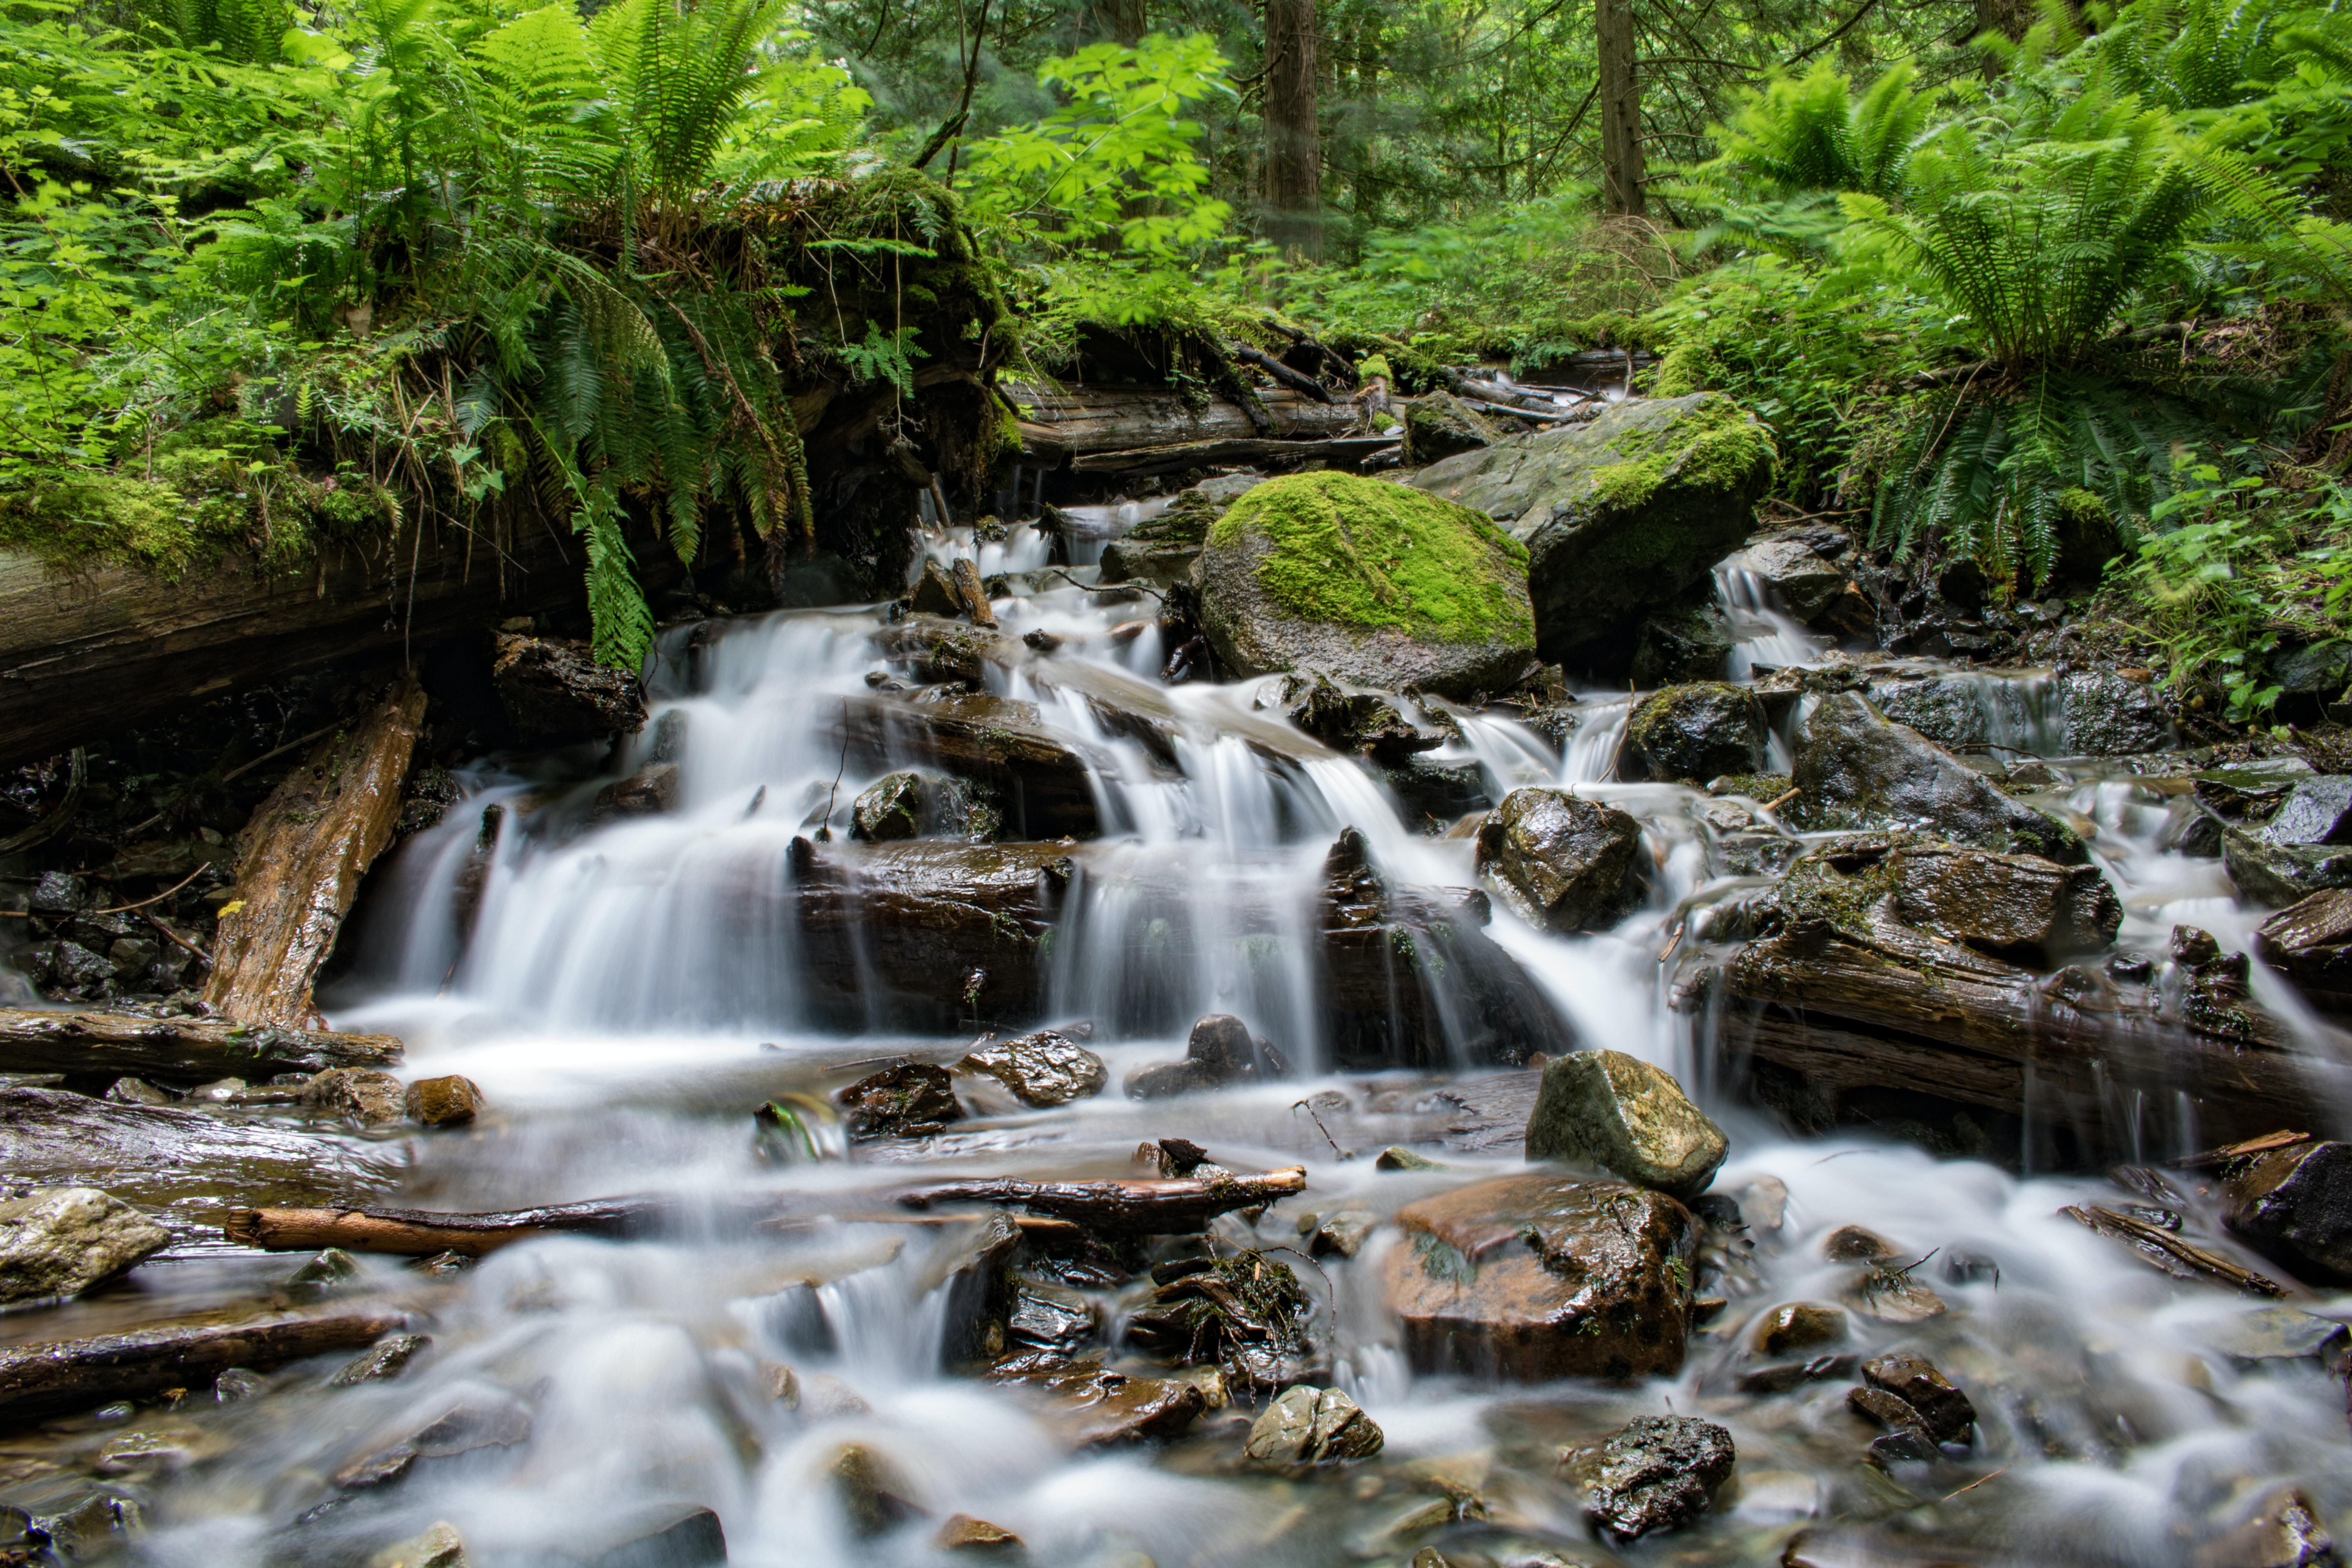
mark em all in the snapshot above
pixel 1152 1208
pixel 1676 943
pixel 417 1233
pixel 1777 801
pixel 50 826
pixel 1284 374
pixel 38 1381
pixel 2262 1145
pixel 2170 1255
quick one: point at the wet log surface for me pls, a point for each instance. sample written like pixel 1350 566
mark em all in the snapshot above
pixel 1176 457
pixel 420 1233
pixel 39 1381
pixel 1058 425
pixel 180 1050
pixel 1167 1207
pixel 301 861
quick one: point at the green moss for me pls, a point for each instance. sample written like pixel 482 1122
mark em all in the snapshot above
pixel 1364 552
pixel 1716 447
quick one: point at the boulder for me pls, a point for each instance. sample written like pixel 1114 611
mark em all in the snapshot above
pixel 2018 906
pixel 1658 1472
pixel 1220 1051
pixel 1682 642
pixel 2276 874
pixel 1373 582
pixel 891 808
pixel 1537 1278
pixel 1352 721
pixel 1046 1068
pixel 2109 715
pixel 1795 571
pixel 1162 549
pixel 1563 862
pixel 909 804
pixel 2311 942
pixel 1628 1116
pixel 363 1094
pixel 2317 811
pixel 60 1241
pixel 445 1102
pixel 651 791
pixel 1620 514
pixel 1439 424
pixel 1857 771
pixel 1310 1426
pixel 916 1100
pixel 1699 732
pixel 2293 1205
pixel 935 591
pixel 555 692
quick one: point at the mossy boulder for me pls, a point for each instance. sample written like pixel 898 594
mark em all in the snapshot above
pixel 1375 583
pixel 1620 515
pixel 1441 425
pixel 1699 732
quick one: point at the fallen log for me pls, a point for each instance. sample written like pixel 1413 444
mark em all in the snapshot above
pixel 177 1050
pixel 1060 424
pixel 1304 385
pixel 1167 1207
pixel 1228 452
pixel 419 1233
pixel 41 1381
pixel 301 863
pixel 2169 1254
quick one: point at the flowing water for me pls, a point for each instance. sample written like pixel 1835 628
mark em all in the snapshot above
pixel 627 992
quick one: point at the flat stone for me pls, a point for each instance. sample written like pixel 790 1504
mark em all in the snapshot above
pixel 60 1241
pixel 1857 1243
pixel 2018 906
pixel 440 1547
pixel 1657 1473
pixel 2280 1333
pixel 1891 1411
pixel 964 1533
pixel 1104 1409
pixel 2295 1206
pixel 1312 1426
pixel 1795 1326
pixel 2311 942
pixel 1045 1068
pixel 1628 1116
pixel 447 1101
pixel 2317 811
pixel 381 1362
pixel 1344 1232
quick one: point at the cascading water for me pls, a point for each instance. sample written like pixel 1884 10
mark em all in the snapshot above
pixel 627 988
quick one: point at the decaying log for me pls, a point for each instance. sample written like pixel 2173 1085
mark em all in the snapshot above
pixel 419 1233
pixel 2170 1254
pixel 190 1050
pixel 1173 1207
pixel 39 1381
pixel 1304 385
pixel 1169 459
pixel 973 593
pixel 1046 790
pixel 301 861
pixel 1060 424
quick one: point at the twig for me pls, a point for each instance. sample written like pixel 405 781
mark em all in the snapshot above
pixel 172 936
pixel 1302 1105
pixel 841 767
pixel 1779 801
pixel 1974 1484
pixel 126 909
pixel 1676 943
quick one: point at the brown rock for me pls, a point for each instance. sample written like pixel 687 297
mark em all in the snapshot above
pixel 915 1100
pixel 2018 906
pixel 964 1533
pixel 1796 1326
pixel 868 1491
pixel 1093 1409
pixel 649 791
pixel 555 692
pixel 1562 860
pixel 1945 1410
pixel 365 1094
pixel 447 1101
pixel 2285 1532
pixel 2311 942
pixel 1854 1244
pixel 1888 1410
pixel 1046 1068
pixel 2294 1205
pixel 1536 1277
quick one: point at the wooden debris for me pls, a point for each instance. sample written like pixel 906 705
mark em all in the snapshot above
pixel 2170 1255
pixel 419 1233
pixel 193 1050
pixel 1150 1207
pixel 44 1380
pixel 2262 1145
pixel 1169 459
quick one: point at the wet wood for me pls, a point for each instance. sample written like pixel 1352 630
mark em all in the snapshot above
pixel 419 1233
pixel 1305 386
pixel 972 591
pixel 300 859
pixel 1175 457
pixel 1170 1207
pixel 1058 424
pixel 2170 1254
pixel 2262 1145
pixel 44 1380
pixel 189 1050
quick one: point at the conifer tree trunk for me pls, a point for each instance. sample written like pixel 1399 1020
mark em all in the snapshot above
pixel 1122 21
pixel 1620 109
pixel 1293 152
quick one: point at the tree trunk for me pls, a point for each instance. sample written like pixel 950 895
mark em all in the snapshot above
pixel 1121 21
pixel 1620 109
pixel 1294 162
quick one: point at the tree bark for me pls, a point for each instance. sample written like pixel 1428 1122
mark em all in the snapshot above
pixel 187 1050
pixel 1058 425
pixel 1345 451
pixel 1620 109
pixel 1294 149
pixel 41 1381
pixel 417 1233
pixel 1148 1207
pixel 1121 21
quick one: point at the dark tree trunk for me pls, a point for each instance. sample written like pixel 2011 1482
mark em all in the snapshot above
pixel 2010 18
pixel 1293 152
pixel 1620 109
pixel 1122 21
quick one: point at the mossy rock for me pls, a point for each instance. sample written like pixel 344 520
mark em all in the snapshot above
pixel 1699 732
pixel 1162 549
pixel 1441 426
pixel 1375 583
pixel 1620 514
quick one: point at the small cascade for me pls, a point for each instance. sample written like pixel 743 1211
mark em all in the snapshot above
pixel 1764 635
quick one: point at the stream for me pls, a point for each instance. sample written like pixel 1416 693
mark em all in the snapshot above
pixel 627 990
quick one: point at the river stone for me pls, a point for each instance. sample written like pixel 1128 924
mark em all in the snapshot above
pixel 1620 514
pixel 964 1533
pixel 1698 731
pixel 1562 861
pixel 60 1241
pixel 1945 1410
pixel 555 692
pixel 1046 1068
pixel 382 1360
pixel 1657 1473
pixel 448 1101
pixel 1049 1318
pixel 2285 1532
pixel 2018 906
pixel 1795 1326
pixel 1162 549
pixel 2280 1335
pixel 2275 874
pixel 440 1547
pixel 2106 715
pixel 913 1100
pixel 1794 570
pixel 1221 1050
pixel 869 1490
pixel 1535 1278
pixel 1096 1409
pixel 1375 583
pixel 2311 942
pixel 935 591
pixel 1682 643
pixel 1310 1426
pixel 1352 721
pixel 1439 424
pixel 2317 811
pixel 363 1094
pixel 1857 771
pixel 892 808
pixel 651 791
pixel 1628 1116
pixel 2293 1205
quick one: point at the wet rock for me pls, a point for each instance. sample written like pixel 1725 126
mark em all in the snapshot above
pixel 2293 1205
pixel 1562 861
pixel 555 692
pixel 1396 1157
pixel 651 791
pixel 871 1494
pixel 445 1102
pixel 238 1384
pixel 137 1092
pixel 361 1094
pixel 915 1100
pixel 935 591
pixel 2317 811
pixel 2018 907
pixel 460 1429
pixel 1045 1068
pixel 893 809
pixel 1905 1448
pixel 2107 715
pixel 1795 1326
pixel 73 967
pixel 62 1518
pixel 1857 771
pixel 1352 721
pixel 1891 1411
pixel 964 1533
pixel 1431 793
pixel 1786 1375
pixel 1312 1426
pixel 1858 1244
pixel 1051 1320
pixel 2302 850
pixel 1377 584
pixel 382 1362
pixel 2285 1532
pixel 60 1241
pixel 660 1535
pixel 1344 1232
pixel 1620 515
pixel 1104 1409
pixel 1628 1116
pixel 1682 642
pixel 2281 1334
pixel 331 1268
pixel 1892 1296
pixel 1796 572
pixel 1657 1473
pixel 2249 791
pixel 1698 731
pixel 1943 1408
pixel 998 747
pixel 60 895
pixel 974 1268
pixel 1537 1278
pixel 2310 942
pixel 1162 549
pixel 1220 1051
pixel 440 1547
pixel 1438 424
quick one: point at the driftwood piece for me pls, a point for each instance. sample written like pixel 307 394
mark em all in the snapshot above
pixel 300 862
pixel 2170 1255
pixel 1060 424
pixel 191 1050
pixel 1206 454
pixel 1306 384
pixel 39 1381
pixel 973 593
pixel 1173 1207
pixel 419 1233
